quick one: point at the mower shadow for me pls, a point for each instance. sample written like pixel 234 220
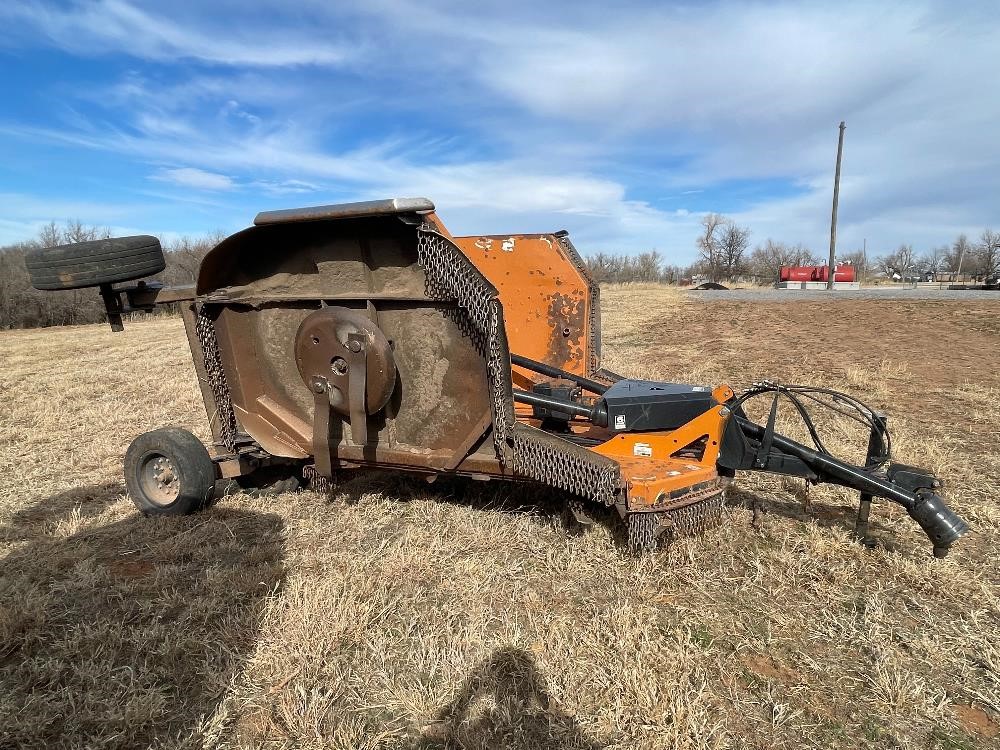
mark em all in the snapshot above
pixel 127 634
pixel 822 514
pixel 548 504
pixel 41 518
pixel 504 702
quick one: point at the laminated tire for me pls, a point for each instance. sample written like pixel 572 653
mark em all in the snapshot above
pixel 168 472
pixel 85 264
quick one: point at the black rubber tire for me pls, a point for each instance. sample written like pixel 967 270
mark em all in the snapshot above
pixel 189 463
pixel 85 264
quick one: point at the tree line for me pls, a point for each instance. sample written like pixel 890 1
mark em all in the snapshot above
pixel 962 259
pixel 724 254
pixel 22 306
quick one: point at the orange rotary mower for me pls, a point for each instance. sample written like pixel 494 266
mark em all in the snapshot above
pixel 366 335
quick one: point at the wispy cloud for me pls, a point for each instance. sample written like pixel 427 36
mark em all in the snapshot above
pixel 191 177
pixel 97 28
pixel 284 187
pixel 622 128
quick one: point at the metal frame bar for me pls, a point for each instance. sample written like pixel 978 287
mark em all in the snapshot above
pixel 554 372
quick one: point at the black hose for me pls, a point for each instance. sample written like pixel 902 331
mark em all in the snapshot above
pixel 794 393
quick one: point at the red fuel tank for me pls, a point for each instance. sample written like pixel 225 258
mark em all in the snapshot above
pixel 816 273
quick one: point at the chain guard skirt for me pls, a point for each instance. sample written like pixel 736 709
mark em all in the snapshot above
pixel 526 450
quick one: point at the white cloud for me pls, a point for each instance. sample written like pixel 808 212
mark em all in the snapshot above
pixel 119 26
pixel 284 187
pixel 624 127
pixel 748 92
pixel 195 178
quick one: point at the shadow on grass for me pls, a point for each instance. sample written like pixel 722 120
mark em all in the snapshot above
pixel 822 514
pixel 548 504
pixel 504 703
pixel 40 519
pixel 127 634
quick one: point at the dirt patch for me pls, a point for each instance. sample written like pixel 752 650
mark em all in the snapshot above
pixel 131 568
pixel 915 359
pixel 931 347
pixel 977 721
pixel 766 667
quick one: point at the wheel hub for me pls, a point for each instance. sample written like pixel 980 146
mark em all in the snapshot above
pixel 159 479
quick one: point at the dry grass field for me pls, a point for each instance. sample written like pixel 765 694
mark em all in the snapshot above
pixel 401 615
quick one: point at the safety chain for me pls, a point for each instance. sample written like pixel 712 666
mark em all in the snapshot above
pixel 697 518
pixel 691 520
pixel 205 330
pixel 316 481
pixel 536 454
pixel 451 276
pixel 560 463
pixel 642 531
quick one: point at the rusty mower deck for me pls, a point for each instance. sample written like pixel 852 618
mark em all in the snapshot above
pixel 366 335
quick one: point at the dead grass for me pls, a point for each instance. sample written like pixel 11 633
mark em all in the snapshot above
pixel 398 617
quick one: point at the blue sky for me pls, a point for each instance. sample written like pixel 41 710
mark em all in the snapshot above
pixel 622 123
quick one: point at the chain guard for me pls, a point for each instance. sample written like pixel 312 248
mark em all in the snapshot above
pixel 205 330
pixel 647 529
pixel 530 452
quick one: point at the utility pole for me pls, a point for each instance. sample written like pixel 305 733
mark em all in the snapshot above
pixel 864 258
pixel 836 201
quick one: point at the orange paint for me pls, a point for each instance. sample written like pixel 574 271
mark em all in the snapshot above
pixel 650 466
pixel 545 298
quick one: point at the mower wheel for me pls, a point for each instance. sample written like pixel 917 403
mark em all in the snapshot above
pixel 168 472
pixel 93 263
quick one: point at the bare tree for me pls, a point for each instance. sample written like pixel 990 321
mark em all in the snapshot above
pixel 906 260
pixel 803 256
pixel 708 243
pixel 767 260
pixel 672 274
pixel 731 256
pixel 934 261
pixel 185 257
pixel 886 264
pixel 961 249
pixel 988 252
pixel 900 263
pixel 722 247
pixel 50 235
pixel 648 267
pixel 74 231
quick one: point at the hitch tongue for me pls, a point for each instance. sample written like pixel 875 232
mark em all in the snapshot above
pixel 943 525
